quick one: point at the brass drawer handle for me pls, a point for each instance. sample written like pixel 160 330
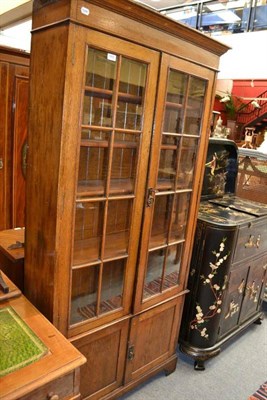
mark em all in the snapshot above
pixel 250 243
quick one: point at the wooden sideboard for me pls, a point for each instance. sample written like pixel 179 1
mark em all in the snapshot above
pixel 12 255
pixel 55 376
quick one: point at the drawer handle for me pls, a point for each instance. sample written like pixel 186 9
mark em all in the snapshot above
pixel 241 286
pixel 52 396
pixel 250 243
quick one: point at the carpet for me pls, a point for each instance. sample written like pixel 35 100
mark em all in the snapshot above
pixel 19 346
pixel 260 394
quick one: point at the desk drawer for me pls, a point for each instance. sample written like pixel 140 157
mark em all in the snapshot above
pixel 252 240
pixel 59 389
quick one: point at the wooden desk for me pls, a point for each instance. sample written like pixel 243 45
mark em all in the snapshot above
pixel 12 259
pixel 56 376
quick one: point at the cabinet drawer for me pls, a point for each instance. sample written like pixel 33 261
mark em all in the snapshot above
pixel 252 240
pixel 59 389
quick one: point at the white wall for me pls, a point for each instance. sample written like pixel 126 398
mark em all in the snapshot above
pixel 246 60
pixel 248 57
pixel 18 36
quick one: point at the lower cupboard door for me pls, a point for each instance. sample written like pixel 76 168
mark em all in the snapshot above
pixel 105 351
pixel 253 291
pixel 153 340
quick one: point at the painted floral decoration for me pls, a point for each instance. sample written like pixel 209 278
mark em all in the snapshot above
pixel 200 321
pixel 218 172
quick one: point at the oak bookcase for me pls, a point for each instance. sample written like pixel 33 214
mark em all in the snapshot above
pixel 120 104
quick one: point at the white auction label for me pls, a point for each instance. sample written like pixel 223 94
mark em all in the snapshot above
pixel 85 11
pixel 111 57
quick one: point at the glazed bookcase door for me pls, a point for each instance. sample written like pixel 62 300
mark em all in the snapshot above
pixel 115 130
pixel 171 180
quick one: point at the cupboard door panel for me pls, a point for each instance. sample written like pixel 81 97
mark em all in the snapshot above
pixel 173 180
pixel 105 351
pixel 233 302
pixel 147 348
pixel 254 287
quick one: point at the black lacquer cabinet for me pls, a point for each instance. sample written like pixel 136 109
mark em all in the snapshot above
pixel 229 260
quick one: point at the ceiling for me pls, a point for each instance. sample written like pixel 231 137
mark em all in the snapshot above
pixel 163 4
pixel 10 4
pixel 11 11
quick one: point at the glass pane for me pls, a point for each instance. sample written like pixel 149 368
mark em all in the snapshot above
pixel 100 78
pixel 117 230
pixel 179 216
pixel 187 163
pixel 260 19
pixel 161 220
pixel 187 15
pixel 131 94
pixel 124 162
pixel 88 232
pixel 101 69
pixel 93 164
pixel 129 115
pixel 94 137
pixel 84 293
pixel 172 267
pixel 168 162
pixel 112 286
pixel 167 169
pixel 195 104
pixel 154 271
pixel 97 109
pixel 173 118
pixel 171 140
pixel 220 17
